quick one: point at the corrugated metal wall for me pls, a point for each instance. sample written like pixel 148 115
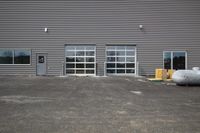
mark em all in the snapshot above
pixel 168 25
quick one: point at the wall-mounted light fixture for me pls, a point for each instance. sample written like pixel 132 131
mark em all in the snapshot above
pixel 141 27
pixel 45 30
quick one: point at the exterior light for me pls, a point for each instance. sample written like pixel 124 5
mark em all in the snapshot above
pixel 46 30
pixel 141 26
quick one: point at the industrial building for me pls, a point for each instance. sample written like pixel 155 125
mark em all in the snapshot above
pixel 98 37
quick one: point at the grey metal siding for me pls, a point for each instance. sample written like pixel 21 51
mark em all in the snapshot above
pixel 168 25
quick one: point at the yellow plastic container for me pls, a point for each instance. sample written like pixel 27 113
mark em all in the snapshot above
pixel 161 74
pixel 170 73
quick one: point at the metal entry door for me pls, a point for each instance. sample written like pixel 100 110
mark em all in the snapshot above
pixel 41 64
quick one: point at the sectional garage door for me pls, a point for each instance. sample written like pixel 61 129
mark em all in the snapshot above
pixel 80 59
pixel 120 60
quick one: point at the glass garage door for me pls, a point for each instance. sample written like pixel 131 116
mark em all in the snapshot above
pixel 121 60
pixel 80 60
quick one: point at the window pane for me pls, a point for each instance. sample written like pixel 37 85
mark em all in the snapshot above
pixel 121 47
pixel 79 53
pixel 110 71
pixel 41 59
pixel 6 57
pixel 110 47
pixel 120 65
pixel 120 53
pixel 22 57
pixel 120 59
pixel 90 53
pixel 70 71
pixel 70 53
pixel 179 60
pixel 80 48
pixel 130 65
pixel 167 60
pixel 70 59
pixel 79 59
pixel 110 53
pixel 70 48
pixel 111 65
pixel 131 48
pixel 89 59
pixel 110 59
pixel 70 65
pixel 79 71
pixel 120 71
pixel 79 65
pixel 130 59
pixel 90 48
pixel 130 53
pixel 89 65
pixel 89 71
pixel 130 71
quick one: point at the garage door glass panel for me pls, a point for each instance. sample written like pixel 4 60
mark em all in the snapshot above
pixel 111 59
pixel 70 48
pixel 130 71
pixel 111 71
pixel 80 48
pixel 89 65
pixel 110 65
pixel 70 66
pixel 111 48
pixel 79 53
pixel 130 65
pixel 120 53
pixel 111 53
pixel 79 65
pixel 80 60
pixel 89 59
pixel 130 59
pixel 70 71
pixel 121 71
pixel 80 72
pixel 70 53
pixel 90 53
pixel 70 59
pixel 120 65
pixel 90 48
pixel 121 48
pixel 120 59
pixel 130 48
pixel 130 53
pixel 89 71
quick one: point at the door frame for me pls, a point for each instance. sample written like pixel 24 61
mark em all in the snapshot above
pixel 46 55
